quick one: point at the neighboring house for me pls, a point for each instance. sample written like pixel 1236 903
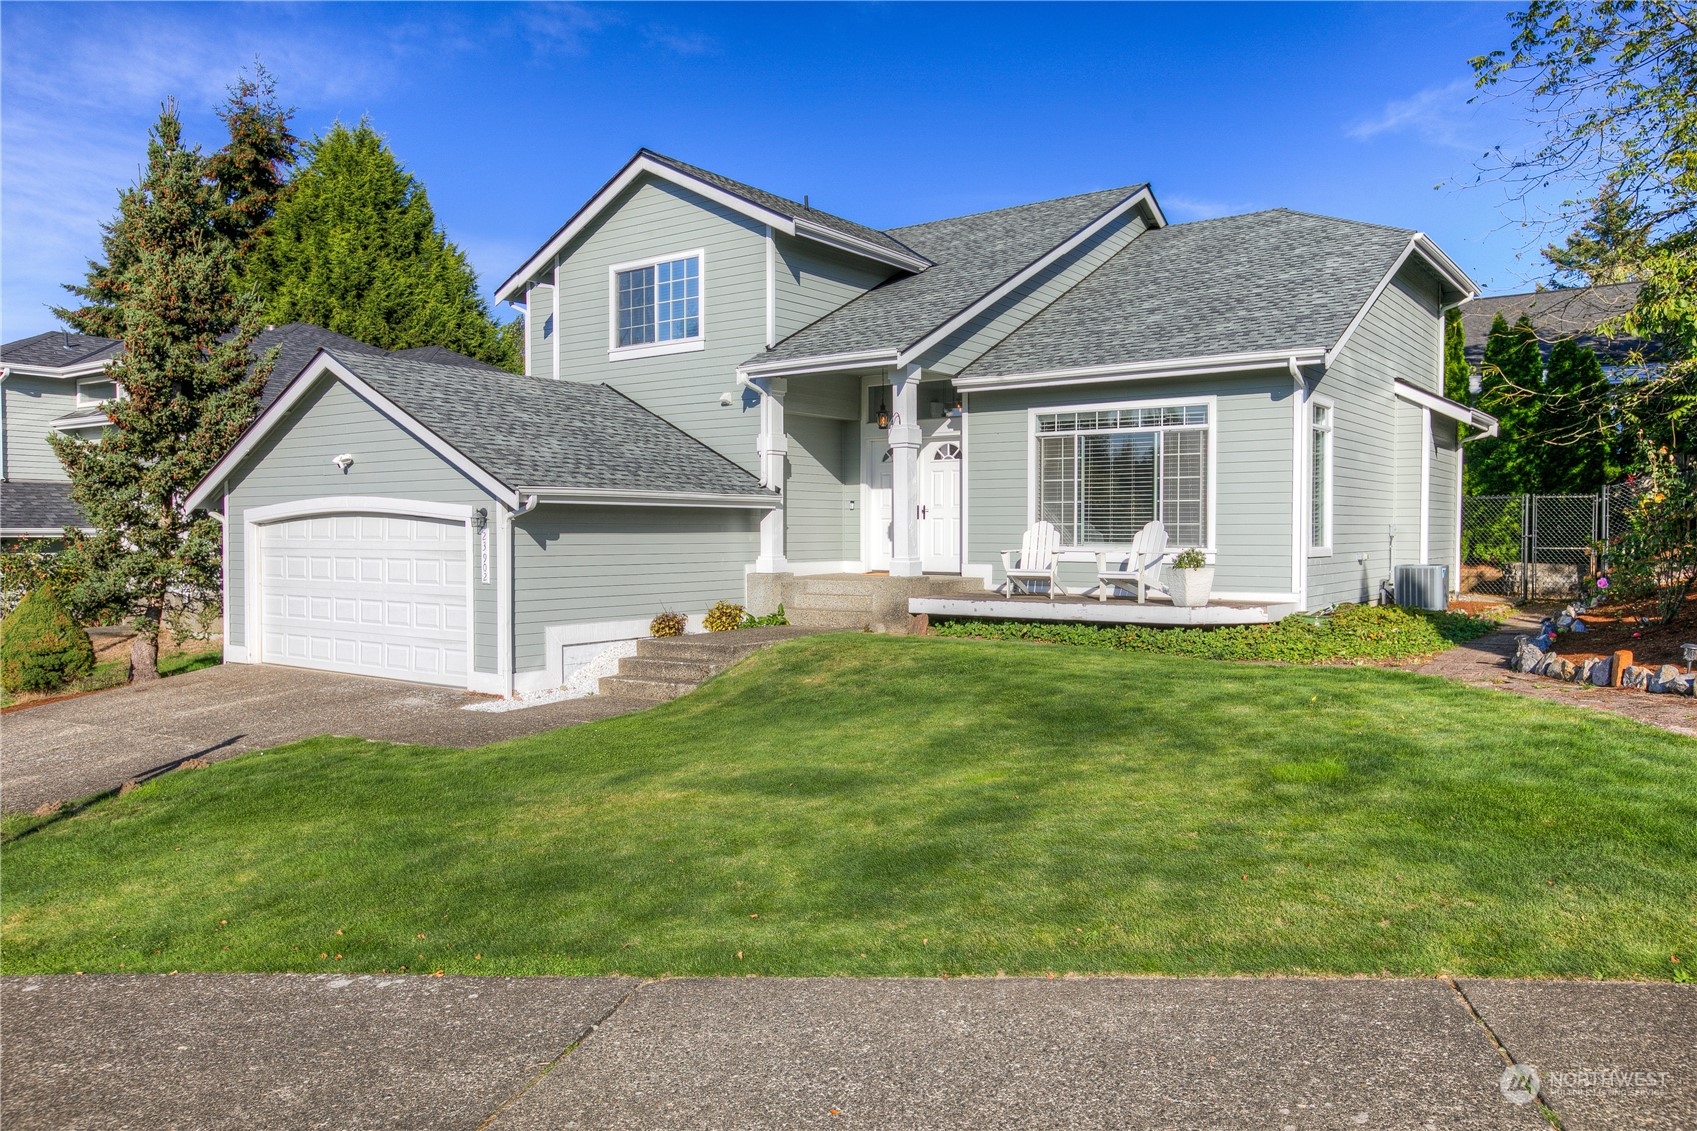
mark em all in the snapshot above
pixel 1576 313
pixel 53 382
pixel 728 390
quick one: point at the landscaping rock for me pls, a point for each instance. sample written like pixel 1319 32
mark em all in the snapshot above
pixel 1635 677
pixel 1602 672
pixel 1579 626
pixel 1585 670
pixel 1565 669
pixel 1527 656
pixel 1667 679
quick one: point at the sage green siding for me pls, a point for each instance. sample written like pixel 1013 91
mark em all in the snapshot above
pixel 1014 309
pixel 540 328
pixel 577 564
pixel 293 464
pixel 32 404
pixel 1446 495
pixel 821 476
pixel 655 218
pixel 811 281
pixel 1251 436
pixel 1376 443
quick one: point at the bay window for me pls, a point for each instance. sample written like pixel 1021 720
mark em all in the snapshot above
pixel 1102 474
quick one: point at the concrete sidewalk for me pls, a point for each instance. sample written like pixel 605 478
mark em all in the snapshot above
pixel 1291 1054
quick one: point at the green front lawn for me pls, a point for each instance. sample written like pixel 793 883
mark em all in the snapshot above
pixel 869 805
pixel 116 673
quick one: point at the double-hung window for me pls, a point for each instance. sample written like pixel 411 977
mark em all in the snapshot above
pixel 1104 473
pixel 657 305
pixel 92 392
pixel 1320 478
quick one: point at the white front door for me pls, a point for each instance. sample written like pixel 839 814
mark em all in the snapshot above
pixel 880 492
pixel 939 506
pixel 366 594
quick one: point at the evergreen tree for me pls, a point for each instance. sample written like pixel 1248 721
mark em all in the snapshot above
pixel 189 390
pixel 1576 449
pixel 1510 389
pixel 248 173
pixel 354 247
pixel 1458 374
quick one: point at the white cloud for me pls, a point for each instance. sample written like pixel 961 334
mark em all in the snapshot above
pixel 1439 115
pixel 1180 207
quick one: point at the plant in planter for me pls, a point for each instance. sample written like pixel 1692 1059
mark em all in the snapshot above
pixel 1193 579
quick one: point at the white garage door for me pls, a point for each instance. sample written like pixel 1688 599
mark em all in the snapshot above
pixel 367 594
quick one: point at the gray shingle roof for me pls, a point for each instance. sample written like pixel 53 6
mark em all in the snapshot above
pixel 972 255
pixel 1260 281
pixel 783 205
pixel 533 432
pixel 37 505
pixel 58 349
pixel 1571 313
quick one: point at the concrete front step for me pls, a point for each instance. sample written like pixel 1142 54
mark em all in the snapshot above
pixel 675 665
pixel 653 690
pixel 671 669
pixel 834 620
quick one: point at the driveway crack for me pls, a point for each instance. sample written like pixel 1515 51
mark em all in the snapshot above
pixel 1545 1108
pixel 576 1043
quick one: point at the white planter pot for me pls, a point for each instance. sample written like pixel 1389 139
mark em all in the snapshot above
pixel 1191 587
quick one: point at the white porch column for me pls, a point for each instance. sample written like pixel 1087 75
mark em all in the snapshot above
pixel 904 474
pixel 774 449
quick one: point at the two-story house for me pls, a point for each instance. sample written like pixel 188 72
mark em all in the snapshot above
pixel 729 393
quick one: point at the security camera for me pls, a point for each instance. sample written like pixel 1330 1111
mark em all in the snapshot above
pixel 726 400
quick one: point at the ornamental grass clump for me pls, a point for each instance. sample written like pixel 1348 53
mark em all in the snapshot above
pixel 41 647
pixel 667 624
pixel 724 616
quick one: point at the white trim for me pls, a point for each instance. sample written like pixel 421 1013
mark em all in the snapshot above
pixel 594 497
pixel 771 288
pixel 985 301
pixel 78 423
pixel 616 352
pixel 529 331
pixel 356 504
pixel 505 597
pixel 117 390
pixel 1148 370
pixel 824 363
pixel 1212 401
pixel 80 369
pixel 324 365
pixel 1434 256
pixel 39 531
pixel 236 654
pixel 557 335
pixel 643 164
pixel 1443 406
pixel 1298 486
pixel 1425 485
pixel 1328 512
pixel 965 490
pixel 815 569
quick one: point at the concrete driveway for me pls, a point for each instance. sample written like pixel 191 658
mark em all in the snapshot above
pixel 537 1054
pixel 74 747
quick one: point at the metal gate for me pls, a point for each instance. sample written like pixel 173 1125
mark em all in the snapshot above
pixel 1536 547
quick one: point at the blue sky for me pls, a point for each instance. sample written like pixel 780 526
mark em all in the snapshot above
pixel 512 114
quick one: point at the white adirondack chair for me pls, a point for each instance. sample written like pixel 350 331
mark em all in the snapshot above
pixel 1141 567
pixel 1038 559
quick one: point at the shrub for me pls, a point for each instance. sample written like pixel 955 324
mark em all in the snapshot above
pixel 1191 559
pixel 41 647
pixel 724 616
pixel 1658 553
pixel 1354 632
pixel 667 624
pixel 773 618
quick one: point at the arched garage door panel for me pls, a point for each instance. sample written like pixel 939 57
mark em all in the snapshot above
pixel 366 594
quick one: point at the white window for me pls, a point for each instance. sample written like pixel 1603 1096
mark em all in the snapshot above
pixel 1320 479
pixel 657 306
pixel 1103 473
pixel 92 392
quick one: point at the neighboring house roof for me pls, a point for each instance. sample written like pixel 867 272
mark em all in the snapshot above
pixel 1574 312
pixel 59 349
pixel 972 256
pixel 1259 282
pixel 29 507
pixel 528 434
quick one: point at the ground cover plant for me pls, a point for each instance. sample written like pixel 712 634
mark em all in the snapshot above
pixel 856 804
pixel 1352 633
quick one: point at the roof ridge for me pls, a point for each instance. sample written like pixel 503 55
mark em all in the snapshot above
pixel 1129 190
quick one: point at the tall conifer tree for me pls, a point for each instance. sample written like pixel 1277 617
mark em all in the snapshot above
pixel 189 389
pixel 1510 389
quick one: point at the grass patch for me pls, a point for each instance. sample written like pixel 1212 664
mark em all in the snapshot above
pixel 1361 633
pixel 116 673
pixel 871 805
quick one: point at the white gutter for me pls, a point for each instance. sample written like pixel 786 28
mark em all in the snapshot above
pixel 599 497
pixel 869 359
pixel 1150 370
pixel 1443 406
pixel 525 507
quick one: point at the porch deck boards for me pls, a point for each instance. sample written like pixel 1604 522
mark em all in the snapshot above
pixel 1157 612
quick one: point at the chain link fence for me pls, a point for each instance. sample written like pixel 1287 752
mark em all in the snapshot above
pixel 1536 547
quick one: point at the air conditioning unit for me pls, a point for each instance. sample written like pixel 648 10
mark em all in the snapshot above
pixel 1423 587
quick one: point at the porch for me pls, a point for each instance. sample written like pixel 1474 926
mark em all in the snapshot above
pixel 1157 612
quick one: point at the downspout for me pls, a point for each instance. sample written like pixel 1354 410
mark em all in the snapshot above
pixel 1298 547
